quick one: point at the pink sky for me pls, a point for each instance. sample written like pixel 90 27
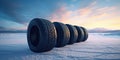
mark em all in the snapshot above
pixel 90 16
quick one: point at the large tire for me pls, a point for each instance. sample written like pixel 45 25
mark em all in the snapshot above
pixel 41 35
pixel 73 34
pixel 63 34
pixel 85 34
pixel 80 33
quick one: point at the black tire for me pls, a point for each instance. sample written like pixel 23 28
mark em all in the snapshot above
pixel 80 33
pixel 85 34
pixel 41 35
pixel 63 34
pixel 73 34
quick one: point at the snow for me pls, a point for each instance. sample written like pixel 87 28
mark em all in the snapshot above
pixel 99 46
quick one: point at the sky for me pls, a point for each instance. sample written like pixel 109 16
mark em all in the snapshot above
pixel 91 14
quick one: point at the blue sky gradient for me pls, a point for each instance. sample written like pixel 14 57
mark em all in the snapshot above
pixel 16 14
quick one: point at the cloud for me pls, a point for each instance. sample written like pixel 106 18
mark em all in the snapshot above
pixel 90 16
pixel 77 12
pixel 63 13
pixel 2 28
pixel 11 25
pixel 12 10
pixel 16 14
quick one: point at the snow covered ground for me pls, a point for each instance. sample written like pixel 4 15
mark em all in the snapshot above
pixel 99 46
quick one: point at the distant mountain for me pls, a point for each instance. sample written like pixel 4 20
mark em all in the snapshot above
pixel 113 31
pixel 96 30
pixel 10 31
pixel 103 30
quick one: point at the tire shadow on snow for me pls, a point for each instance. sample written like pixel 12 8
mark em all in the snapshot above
pixel 21 52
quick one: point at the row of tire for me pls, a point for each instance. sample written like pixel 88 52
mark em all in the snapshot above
pixel 43 35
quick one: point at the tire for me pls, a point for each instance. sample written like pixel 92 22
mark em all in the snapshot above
pixel 73 34
pixel 63 34
pixel 41 35
pixel 85 34
pixel 80 33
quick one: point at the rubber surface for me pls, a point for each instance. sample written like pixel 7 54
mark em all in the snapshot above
pixel 41 35
pixel 63 34
pixel 80 33
pixel 73 34
pixel 85 34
